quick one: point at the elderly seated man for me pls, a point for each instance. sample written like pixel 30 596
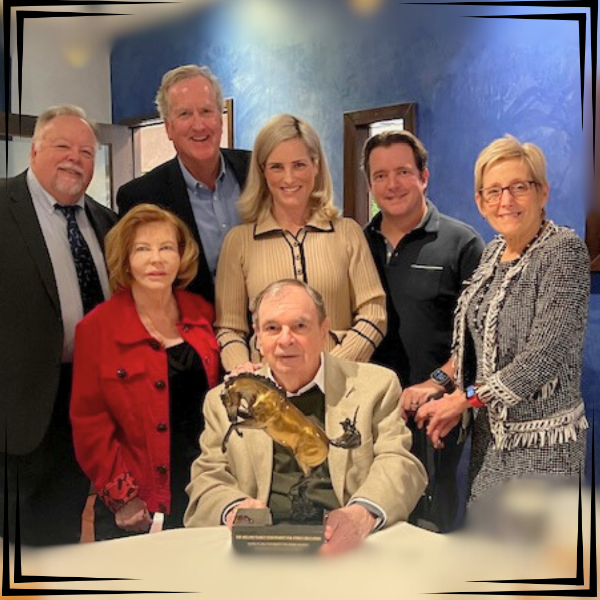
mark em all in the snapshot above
pixel 364 488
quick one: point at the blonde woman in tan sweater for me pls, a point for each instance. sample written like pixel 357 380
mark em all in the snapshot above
pixel 293 230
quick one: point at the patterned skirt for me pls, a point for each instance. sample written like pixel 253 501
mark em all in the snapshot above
pixel 489 467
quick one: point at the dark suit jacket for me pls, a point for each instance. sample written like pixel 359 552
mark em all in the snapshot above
pixel 165 187
pixel 31 331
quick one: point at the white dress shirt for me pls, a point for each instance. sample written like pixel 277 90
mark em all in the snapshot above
pixel 54 230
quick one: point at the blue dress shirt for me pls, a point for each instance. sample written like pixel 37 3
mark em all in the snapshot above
pixel 215 211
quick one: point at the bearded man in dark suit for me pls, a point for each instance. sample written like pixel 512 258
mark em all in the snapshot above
pixel 203 182
pixel 53 271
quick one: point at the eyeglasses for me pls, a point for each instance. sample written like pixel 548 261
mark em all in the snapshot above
pixel 518 189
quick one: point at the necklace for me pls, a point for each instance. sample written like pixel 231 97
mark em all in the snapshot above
pixel 152 330
pixel 166 331
pixel 499 270
pixel 531 241
pixel 534 238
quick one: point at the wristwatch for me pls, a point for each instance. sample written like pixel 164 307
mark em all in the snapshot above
pixel 473 398
pixel 444 380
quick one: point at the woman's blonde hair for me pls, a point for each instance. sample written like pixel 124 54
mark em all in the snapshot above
pixel 256 199
pixel 119 242
pixel 506 148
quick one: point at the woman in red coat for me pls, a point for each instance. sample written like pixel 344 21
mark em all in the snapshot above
pixel 143 362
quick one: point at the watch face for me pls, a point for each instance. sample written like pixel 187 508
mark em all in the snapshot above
pixel 439 376
pixel 470 392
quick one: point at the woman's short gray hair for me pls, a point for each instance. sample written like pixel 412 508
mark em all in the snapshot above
pixel 507 148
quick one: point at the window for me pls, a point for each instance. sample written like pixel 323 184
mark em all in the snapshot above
pixel 152 147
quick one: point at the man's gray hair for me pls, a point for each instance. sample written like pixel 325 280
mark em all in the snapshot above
pixel 277 287
pixel 63 110
pixel 170 78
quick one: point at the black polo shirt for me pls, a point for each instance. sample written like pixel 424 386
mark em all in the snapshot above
pixel 422 280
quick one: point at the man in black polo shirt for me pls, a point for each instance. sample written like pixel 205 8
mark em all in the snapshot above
pixel 423 257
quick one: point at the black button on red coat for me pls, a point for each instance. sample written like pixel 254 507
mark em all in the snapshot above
pixel 161 427
pixel 121 373
pixel 162 469
pixel 160 385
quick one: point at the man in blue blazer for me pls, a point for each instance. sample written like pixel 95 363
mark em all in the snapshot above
pixel 203 182
pixel 40 304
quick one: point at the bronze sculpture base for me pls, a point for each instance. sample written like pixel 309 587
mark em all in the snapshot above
pixel 254 533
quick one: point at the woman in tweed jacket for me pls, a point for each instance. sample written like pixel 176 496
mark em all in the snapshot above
pixel 518 333
pixel 293 230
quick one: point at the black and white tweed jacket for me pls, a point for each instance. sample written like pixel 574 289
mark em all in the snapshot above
pixel 533 334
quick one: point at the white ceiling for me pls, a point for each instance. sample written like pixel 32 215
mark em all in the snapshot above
pixel 130 17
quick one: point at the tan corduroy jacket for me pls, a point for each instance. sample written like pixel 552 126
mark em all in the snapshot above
pixel 382 470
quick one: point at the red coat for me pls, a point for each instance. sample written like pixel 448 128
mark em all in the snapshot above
pixel 120 400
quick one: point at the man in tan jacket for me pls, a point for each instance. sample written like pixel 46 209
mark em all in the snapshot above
pixel 365 488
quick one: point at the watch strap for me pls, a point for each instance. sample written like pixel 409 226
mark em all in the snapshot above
pixel 442 378
pixel 473 398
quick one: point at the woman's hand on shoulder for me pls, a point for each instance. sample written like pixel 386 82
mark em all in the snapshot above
pixel 246 367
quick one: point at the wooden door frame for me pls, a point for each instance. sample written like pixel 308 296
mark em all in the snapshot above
pixel 356 132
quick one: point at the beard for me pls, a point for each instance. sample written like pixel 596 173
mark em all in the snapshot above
pixel 67 184
pixel 70 188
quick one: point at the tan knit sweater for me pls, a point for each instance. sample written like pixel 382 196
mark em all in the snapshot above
pixel 331 256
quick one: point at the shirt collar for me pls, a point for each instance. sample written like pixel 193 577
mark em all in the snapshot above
pixel 318 380
pixel 266 223
pixel 47 200
pixel 431 221
pixel 192 183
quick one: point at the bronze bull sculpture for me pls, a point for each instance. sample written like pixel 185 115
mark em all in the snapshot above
pixel 255 402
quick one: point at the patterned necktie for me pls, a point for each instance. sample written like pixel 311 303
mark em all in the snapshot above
pixel 87 274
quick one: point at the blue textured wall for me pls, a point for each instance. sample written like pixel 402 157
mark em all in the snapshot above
pixel 591 372
pixel 473 80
